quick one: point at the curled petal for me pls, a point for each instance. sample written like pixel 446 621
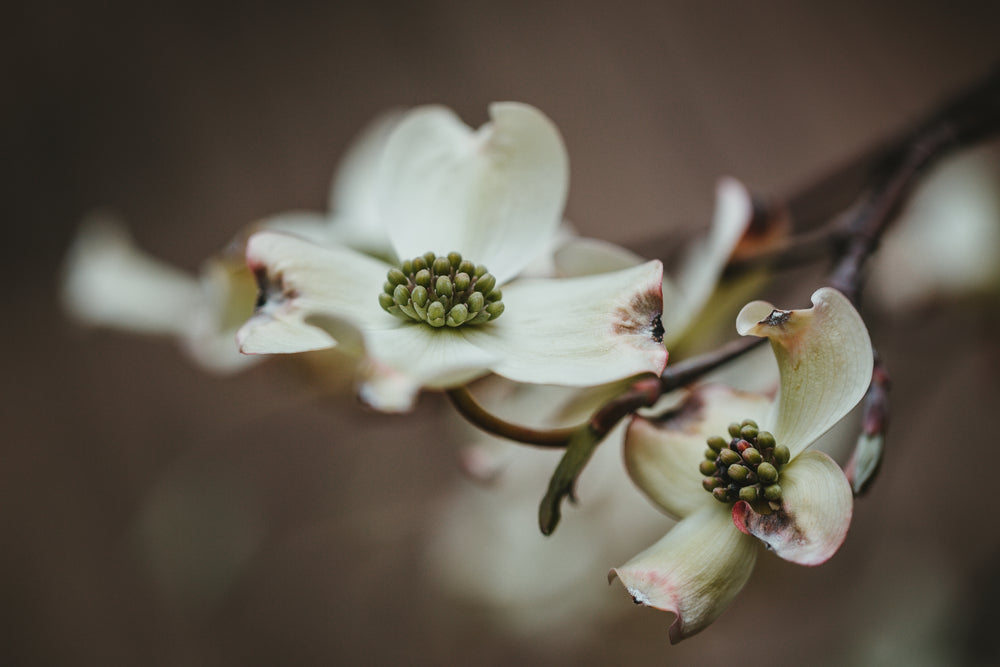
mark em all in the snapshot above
pixel 110 282
pixel 662 455
pixel 578 331
pixel 816 512
pixel 824 359
pixel 694 571
pixel 299 280
pixel 493 195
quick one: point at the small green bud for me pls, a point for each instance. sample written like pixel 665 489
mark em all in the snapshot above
pixel 721 494
pixel 401 295
pixel 479 271
pixel 435 313
pixel 765 440
pixel 495 295
pixel 772 492
pixel 419 296
pixel 459 313
pixel 752 456
pixel 734 430
pixel 767 473
pixel 462 282
pixel 441 266
pixel 385 301
pixel 454 258
pixel 711 483
pixel 495 309
pixel 749 422
pixel 423 278
pixel 443 286
pixel 728 457
pixel 407 267
pixel 748 493
pixel 397 277
pixel 419 264
pixel 748 432
pixel 737 472
pixel 781 455
pixel 486 283
pixel 465 266
pixel 717 443
pixel 429 257
pixel 476 301
pixel 707 467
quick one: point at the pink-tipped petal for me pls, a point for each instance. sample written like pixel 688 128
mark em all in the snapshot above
pixel 824 358
pixel 816 512
pixel 694 571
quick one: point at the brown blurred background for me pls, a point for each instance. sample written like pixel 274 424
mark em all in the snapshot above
pixel 154 515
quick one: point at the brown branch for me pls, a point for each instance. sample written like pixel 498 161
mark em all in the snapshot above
pixel 478 416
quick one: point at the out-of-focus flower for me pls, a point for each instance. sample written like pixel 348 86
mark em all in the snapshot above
pixel 485 544
pixel 947 241
pixel 110 282
pixel 453 202
pixel 757 482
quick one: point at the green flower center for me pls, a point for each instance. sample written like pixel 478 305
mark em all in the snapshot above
pixel 746 467
pixel 442 291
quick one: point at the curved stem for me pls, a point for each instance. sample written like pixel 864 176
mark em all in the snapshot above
pixel 481 418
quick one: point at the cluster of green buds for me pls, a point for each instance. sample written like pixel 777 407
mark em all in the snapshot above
pixel 746 467
pixel 440 291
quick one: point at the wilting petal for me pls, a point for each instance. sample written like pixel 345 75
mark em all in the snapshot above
pixel 578 331
pixel 493 195
pixel 662 455
pixel 694 571
pixel 703 266
pixel 300 280
pixel 110 282
pixel 824 359
pixel 816 512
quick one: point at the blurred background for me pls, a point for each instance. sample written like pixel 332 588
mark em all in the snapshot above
pixel 152 514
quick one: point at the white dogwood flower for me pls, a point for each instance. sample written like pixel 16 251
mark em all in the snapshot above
pixel 465 212
pixel 755 481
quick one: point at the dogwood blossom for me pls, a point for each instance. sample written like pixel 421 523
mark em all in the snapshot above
pixel 797 502
pixel 465 212
pixel 110 282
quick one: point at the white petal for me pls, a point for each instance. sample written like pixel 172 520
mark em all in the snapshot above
pixel 492 195
pixel 587 257
pixel 662 455
pixel 578 331
pixel 110 282
pixel 311 226
pixel 301 280
pixel 824 358
pixel 694 571
pixel 816 512
pixel 432 357
pixel 354 202
pixel 703 266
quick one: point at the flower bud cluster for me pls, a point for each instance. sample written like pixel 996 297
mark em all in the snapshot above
pixel 442 291
pixel 746 467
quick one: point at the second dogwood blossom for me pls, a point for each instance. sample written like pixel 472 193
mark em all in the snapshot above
pixel 465 212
